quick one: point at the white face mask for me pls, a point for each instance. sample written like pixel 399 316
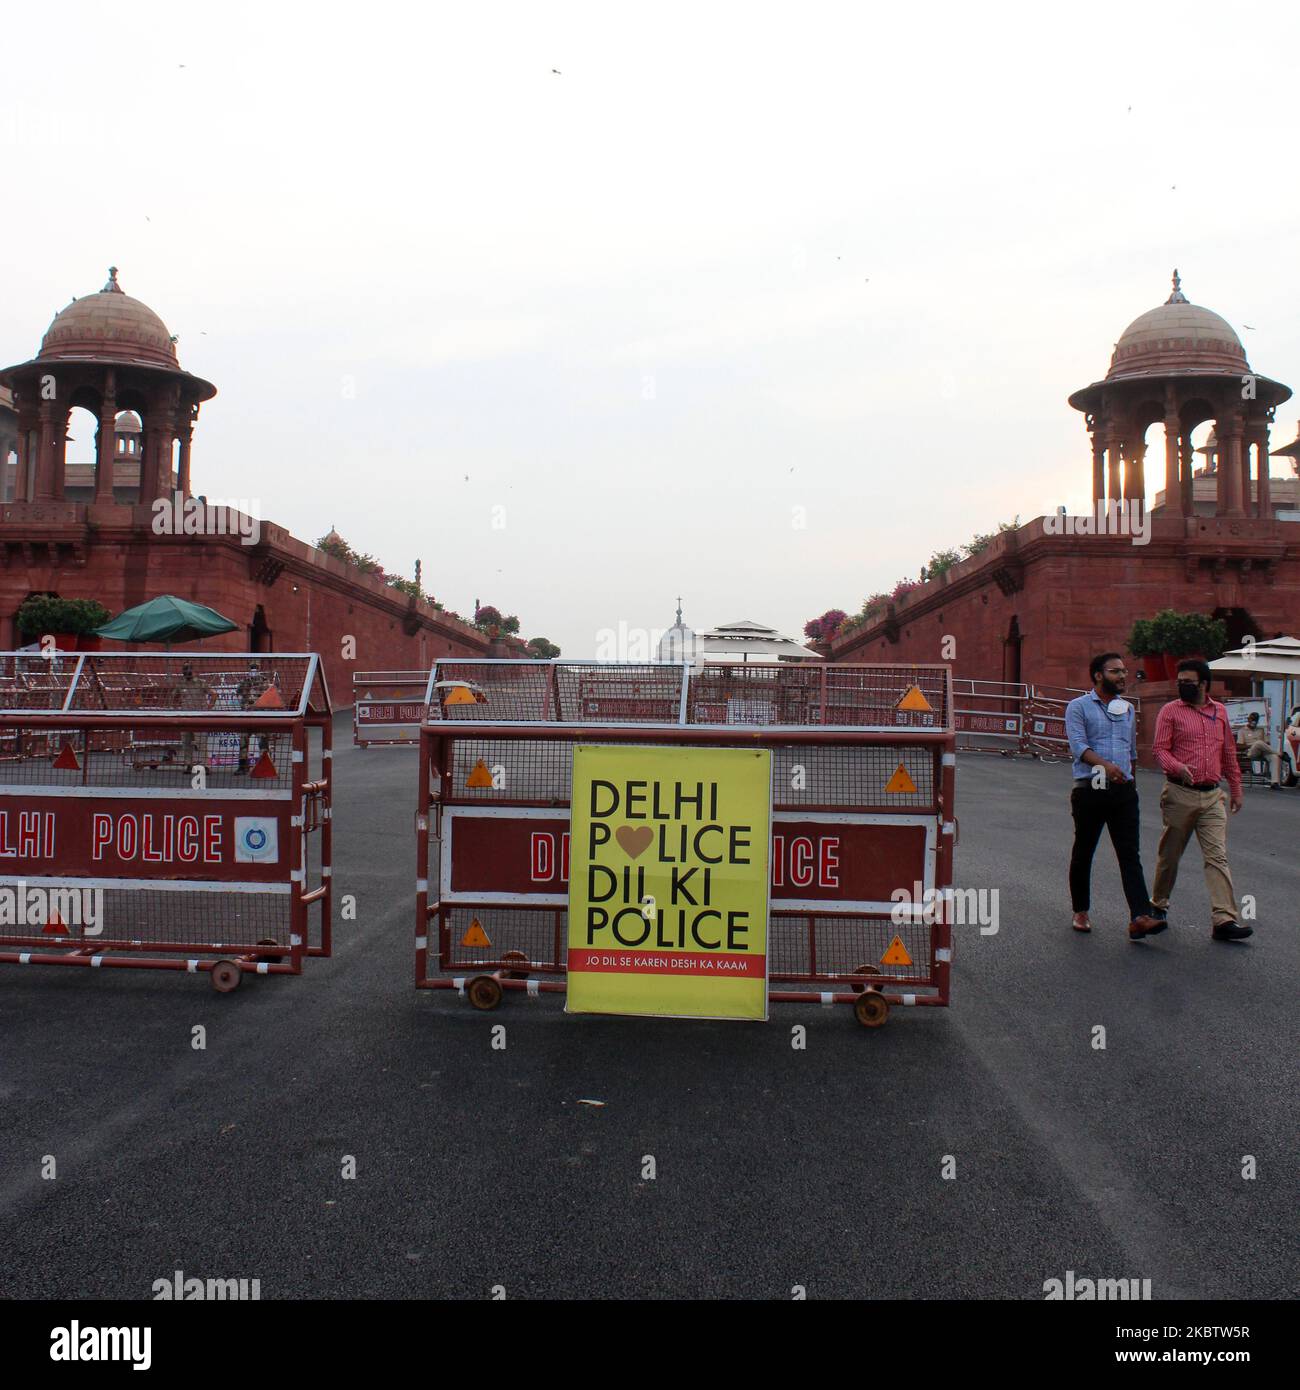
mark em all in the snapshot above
pixel 1118 707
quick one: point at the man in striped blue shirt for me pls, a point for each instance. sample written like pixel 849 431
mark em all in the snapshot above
pixel 1102 730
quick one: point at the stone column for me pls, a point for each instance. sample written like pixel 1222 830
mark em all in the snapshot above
pixel 1135 476
pixel 1230 465
pixel 1113 480
pixel 59 457
pixel 183 475
pixel 1265 509
pixel 23 477
pixel 1186 464
pixel 45 455
pixel 107 451
pixel 1173 478
pixel 155 462
pixel 1098 468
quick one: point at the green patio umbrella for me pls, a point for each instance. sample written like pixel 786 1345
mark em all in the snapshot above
pixel 166 619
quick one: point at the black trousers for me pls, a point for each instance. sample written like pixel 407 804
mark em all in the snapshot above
pixel 1114 808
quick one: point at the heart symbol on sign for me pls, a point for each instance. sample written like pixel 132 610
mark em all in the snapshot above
pixel 635 842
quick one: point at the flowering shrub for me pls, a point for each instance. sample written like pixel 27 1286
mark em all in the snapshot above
pixel 825 628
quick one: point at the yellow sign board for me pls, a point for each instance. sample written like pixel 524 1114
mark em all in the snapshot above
pixel 668 882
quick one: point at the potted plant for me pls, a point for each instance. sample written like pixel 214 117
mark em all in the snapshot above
pixel 1204 637
pixel 1169 639
pixel 70 621
pixel 1194 635
pixel 1141 643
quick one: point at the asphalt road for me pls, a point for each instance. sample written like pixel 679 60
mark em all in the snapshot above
pixel 774 1167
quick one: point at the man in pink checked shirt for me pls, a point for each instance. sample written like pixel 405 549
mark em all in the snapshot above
pixel 1195 746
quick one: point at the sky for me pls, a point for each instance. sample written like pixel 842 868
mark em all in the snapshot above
pixel 756 304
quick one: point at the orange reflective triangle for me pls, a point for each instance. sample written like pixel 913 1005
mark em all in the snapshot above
pixel 54 927
pixel 914 700
pixel 897 953
pixel 901 781
pixel 480 776
pixel 270 699
pixel 460 695
pixel 67 760
pixel 264 767
pixel 475 936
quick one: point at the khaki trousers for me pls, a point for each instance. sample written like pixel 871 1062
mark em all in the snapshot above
pixel 1184 811
pixel 1260 749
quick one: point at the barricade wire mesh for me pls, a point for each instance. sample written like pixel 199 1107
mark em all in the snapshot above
pixel 198 919
pixel 154 757
pixel 840 945
pixel 803 776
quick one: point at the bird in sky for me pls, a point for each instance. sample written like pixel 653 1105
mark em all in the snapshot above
pixel 557 72
pixel 1251 326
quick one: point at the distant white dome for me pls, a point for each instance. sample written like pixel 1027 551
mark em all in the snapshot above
pixel 679 643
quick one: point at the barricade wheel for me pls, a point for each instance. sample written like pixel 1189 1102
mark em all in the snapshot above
pixel 269 960
pixel 863 970
pixel 484 992
pixel 872 1009
pixel 510 957
pixel 225 976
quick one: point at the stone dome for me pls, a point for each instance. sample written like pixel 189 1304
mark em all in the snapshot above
pixel 1177 337
pixel 109 327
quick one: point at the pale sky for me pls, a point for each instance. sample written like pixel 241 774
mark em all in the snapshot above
pixel 732 261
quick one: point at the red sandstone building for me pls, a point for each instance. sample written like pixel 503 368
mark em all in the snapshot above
pixel 88 531
pixel 1224 539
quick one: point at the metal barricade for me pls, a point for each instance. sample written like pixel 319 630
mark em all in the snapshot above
pixel 1044 733
pixel 387 706
pixel 170 812
pixel 988 715
pixel 863 775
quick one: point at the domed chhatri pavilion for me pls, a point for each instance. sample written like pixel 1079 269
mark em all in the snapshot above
pixel 83 530
pixel 1221 537
pixel 112 355
pixel 1180 365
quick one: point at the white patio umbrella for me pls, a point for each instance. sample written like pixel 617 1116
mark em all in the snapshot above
pixel 1276 659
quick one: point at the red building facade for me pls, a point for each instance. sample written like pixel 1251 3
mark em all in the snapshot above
pixel 99 537
pixel 1042 599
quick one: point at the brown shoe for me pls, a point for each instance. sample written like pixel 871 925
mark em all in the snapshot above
pixel 1145 926
pixel 1080 922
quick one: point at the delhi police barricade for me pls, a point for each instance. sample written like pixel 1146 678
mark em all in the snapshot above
pixel 1044 720
pixel 989 715
pixel 170 812
pixel 387 706
pixel 531 769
